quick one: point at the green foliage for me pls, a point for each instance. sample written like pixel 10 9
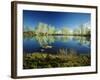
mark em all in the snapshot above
pixel 43 29
pixel 82 30
pixel 41 60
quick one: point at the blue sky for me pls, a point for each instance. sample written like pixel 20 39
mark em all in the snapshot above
pixel 57 19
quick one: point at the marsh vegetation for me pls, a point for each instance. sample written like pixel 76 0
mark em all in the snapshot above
pixel 45 60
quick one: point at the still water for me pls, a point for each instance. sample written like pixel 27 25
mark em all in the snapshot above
pixel 53 44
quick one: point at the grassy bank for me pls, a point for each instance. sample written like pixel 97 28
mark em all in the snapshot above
pixel 41 60
pixel 31 34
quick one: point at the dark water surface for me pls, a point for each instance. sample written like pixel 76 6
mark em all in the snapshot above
pixel 54 44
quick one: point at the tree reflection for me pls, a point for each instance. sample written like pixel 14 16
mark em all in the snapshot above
pixel 82 40
pixel 46 41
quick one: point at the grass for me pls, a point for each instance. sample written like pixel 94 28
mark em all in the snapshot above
pixel 45 60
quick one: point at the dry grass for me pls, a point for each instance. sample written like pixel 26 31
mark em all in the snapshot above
pixel 41 60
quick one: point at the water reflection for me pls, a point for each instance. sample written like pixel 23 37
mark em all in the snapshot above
pixel 82 40
pixel 45 41
pixel 57 44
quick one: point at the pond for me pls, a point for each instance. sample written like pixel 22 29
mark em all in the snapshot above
pixel 57 44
